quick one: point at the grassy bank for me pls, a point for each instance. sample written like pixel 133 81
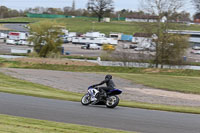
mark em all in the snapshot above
pixel 16 86
pixel 185 84
pixel 79 57
pixel 26 125
pixel 180 109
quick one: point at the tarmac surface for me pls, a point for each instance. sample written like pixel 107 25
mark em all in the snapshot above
pixel 130 119
pixel 17 27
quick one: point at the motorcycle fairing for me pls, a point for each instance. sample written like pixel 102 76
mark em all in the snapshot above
pixel 114 92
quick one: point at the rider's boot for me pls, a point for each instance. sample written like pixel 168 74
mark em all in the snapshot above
pixel 96 99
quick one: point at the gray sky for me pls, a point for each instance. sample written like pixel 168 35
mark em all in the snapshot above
pixel 119 4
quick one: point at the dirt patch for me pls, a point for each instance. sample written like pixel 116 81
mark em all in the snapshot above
pixel 151 70
pixel 55 61
pixel 169 94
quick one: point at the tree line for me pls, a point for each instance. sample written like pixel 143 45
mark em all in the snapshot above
pixel 89 12
pixel 8 13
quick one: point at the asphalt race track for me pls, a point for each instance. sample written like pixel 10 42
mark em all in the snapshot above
pixel 119 118
pixel 17 27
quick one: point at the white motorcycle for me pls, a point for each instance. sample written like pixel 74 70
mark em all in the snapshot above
pixel 110 99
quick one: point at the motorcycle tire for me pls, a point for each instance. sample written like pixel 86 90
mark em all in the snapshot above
pixel 112 101
pixel 85 100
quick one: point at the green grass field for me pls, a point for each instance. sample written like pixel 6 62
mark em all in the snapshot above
pixel 11 124
pixel 83 25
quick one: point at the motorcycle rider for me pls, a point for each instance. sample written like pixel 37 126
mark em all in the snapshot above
pixel 109 86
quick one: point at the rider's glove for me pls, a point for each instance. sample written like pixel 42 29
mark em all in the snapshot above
pixel 93 86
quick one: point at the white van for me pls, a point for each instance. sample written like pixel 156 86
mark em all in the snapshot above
pixel 93 46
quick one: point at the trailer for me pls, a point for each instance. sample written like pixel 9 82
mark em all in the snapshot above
pixel 21 51
pixel 101 41
pixel 126 38
pixel 94 34
pixel 116 36
pixel 85 40
pixel 17 36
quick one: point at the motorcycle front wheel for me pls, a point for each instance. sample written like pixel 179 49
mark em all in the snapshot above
pixel 86 99
pixel 112 101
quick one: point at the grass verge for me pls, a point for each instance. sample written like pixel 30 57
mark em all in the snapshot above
pixel 16 86
pixel 79 57
pixel 185 84
pixel 13 124
pixel 180 109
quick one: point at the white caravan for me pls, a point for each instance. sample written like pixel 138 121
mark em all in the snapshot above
pixel 17 36
pixel 85 40
pixel 94 34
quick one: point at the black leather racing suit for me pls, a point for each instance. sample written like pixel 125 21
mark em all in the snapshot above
pixel 109 85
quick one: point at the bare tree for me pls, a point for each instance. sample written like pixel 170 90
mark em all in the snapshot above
pixel 196 4
pixel 7 12
pixel 164 41
pixel 127 58
pixel 100 7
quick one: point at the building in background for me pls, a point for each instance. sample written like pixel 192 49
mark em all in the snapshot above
pixel 143 18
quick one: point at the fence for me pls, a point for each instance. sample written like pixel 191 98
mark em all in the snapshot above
pixel 32 15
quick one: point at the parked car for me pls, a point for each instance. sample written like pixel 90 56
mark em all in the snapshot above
pixel 132 46
pixel 125 46
pixel 108 47
pixel 93 46
pixel 84 47
pixel 65 39
pixel 22 42
pixel 195 52
pixel 196 47
pixel 152 49
pixel 139 49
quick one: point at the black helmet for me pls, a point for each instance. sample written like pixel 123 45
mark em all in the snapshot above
pixel 108 77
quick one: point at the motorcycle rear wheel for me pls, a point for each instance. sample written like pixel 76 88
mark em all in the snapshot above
pixel 112 101
pixel 85 99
